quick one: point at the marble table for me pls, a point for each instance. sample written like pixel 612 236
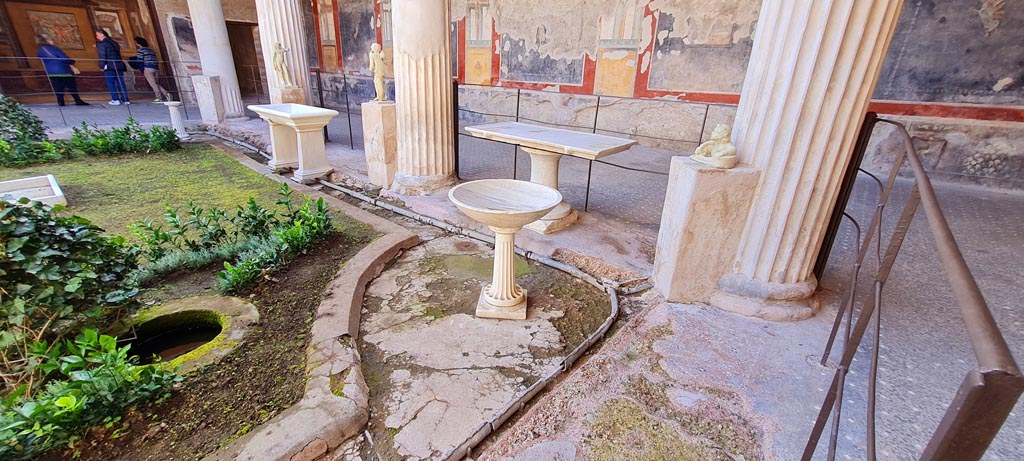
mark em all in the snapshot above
pixel 546 147
pixel 296 135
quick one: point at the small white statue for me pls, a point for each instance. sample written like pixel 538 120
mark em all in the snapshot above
pixel 280 67
pixel 718 151
pixel 377 67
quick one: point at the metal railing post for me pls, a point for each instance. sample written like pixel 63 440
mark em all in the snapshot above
pixel 515 152
pixel 455 116
pixel 348 113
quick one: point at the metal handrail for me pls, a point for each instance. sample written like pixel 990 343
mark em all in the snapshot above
pixel 988 392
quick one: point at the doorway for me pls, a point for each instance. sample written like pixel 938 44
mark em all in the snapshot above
pixel 248 66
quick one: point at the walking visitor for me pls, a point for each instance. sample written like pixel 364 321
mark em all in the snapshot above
pixel 150 66
pixel 59 68
pixel 113 67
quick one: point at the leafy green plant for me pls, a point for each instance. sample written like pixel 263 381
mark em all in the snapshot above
pixel 17 122
pixel 255 220
pixel 94 382
pixel 130 138
pixel 310 223
pixel 55 271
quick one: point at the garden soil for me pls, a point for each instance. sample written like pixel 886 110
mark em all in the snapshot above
pixel 264 375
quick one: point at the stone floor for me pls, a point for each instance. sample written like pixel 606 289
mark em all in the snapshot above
pixel 436 372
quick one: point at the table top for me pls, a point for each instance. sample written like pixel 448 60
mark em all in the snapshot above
pixel 556 140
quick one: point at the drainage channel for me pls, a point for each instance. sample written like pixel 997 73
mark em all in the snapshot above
pixel 613 289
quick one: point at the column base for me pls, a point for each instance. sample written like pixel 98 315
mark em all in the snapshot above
pixel 486 310
pixel 780 302
pixel 550 226
pixel 421 185
pixel 311 176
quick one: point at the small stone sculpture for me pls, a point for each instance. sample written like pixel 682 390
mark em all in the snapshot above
pixel 377 67
pixel 719 151
pixel 280 67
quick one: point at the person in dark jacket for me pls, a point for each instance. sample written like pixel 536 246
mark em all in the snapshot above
pixel 150 67
pixel 113 67
pixel 59 69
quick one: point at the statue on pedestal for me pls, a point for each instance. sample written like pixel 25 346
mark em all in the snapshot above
pixel 279 66
pixel 377 67
pixel 718 151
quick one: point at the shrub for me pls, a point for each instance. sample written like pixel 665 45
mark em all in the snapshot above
pixel 95 382
pixel 310 223
pixel 55 271
pixel 130 138
pixel 17 122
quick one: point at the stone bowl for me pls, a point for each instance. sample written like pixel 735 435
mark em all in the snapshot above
pixel 504 203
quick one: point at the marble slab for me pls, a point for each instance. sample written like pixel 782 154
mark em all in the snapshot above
pixel 38 189
pixel 560 141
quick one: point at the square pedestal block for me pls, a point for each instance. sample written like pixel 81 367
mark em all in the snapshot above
pixel 703 219
pixel 208 96
pixel 292 94
pixel 380 135
pixel 485 310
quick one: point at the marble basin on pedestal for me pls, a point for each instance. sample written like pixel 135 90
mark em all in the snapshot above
pixel 504 205
pixel 297 140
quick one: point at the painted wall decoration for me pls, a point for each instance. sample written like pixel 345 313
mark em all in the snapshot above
pixel 185 41
pixel 956 51
pixel 62 27
pixel 356 18
pixel 702 46
pixel 110 21
pixel 946 51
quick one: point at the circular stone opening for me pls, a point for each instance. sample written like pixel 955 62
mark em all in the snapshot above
pixel 170 336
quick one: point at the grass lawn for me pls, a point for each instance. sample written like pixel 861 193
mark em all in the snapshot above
pixel 118 191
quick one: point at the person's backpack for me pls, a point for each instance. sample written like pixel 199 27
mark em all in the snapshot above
pixel 135 62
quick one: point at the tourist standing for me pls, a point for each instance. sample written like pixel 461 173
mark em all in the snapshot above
pixel 59 69
pixel 150 69
pixel 113 67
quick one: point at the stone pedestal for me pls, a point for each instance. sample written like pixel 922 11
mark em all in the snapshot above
pixel 281 21
pixel 178 123
pixel 380 136
pixel 701 225
pixel 503 298
pixel 312 155
pixel 285 147
pixel 423 94
pixel 544 171
pixel 297 138
pixel 215 51
pixel 812 71
pixel 292 94
pixel 209 99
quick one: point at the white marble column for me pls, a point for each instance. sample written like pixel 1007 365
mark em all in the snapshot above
pixel 177 122
pixel 215 51
pixel 811 75
pixel 280 21
pixel 423 94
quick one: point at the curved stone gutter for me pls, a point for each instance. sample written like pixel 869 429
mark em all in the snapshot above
pixel 335 404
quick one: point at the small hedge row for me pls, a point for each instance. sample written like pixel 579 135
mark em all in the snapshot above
pixel 23 139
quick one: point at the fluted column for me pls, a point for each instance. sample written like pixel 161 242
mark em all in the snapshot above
pixel 811 75
pixel 423 95
pixel 280 21
pixel 215 51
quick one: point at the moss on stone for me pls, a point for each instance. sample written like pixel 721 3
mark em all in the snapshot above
pixel 338 383
pixel 621 431
pixel 470 266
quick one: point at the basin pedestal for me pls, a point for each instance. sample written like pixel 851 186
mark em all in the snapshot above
pixel 504 205
pixel 503 298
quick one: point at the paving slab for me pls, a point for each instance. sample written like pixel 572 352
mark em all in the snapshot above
pixel 435 371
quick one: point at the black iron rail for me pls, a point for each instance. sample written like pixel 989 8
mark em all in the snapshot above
pixel 987 393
